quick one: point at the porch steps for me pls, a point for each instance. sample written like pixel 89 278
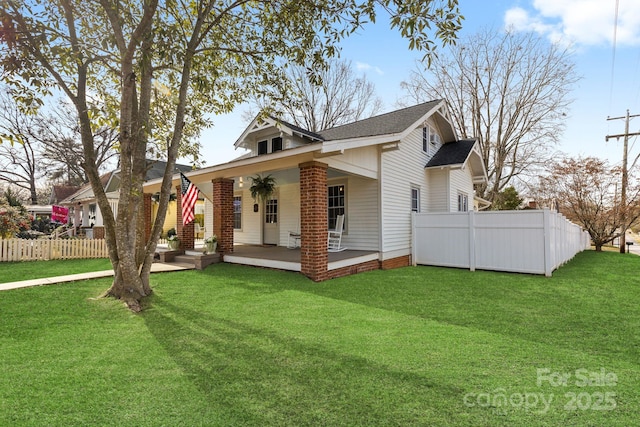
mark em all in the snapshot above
pixel 198 260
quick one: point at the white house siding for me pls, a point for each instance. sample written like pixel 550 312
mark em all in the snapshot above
pixel 362 220
pixel 438 190
pixel 251 221
pixel 460 182
pixel 400 169
pixel 288 210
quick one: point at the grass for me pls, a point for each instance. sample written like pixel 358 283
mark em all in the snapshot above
pixel 236 345
pixel 16 271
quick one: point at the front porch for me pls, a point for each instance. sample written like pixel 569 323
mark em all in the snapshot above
pixel 281 258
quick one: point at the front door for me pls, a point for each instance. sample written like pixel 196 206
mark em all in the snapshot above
pixel 271 233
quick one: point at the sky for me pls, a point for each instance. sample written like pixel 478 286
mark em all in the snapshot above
pixel 609 84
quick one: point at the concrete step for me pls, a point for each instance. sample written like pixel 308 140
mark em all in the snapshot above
pixel 199 260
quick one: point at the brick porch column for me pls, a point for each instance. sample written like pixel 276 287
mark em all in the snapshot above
pixel 313 220
pixel 148 213
pixel 186 232
pixel 223 214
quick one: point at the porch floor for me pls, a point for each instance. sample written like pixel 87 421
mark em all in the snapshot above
pixel 283 258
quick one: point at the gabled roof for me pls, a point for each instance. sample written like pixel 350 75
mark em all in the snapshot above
pixel 86 191
pixel 460 154
pixel 297 129
pixel 260 123
pixel 390 123
pixel 453 153
pixel 61 192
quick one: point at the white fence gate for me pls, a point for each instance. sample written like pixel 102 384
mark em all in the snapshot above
pixel 529 241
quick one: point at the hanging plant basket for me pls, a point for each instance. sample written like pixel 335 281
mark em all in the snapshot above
pixel 262 188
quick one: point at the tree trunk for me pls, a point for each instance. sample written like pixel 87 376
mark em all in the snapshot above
pixel 598 247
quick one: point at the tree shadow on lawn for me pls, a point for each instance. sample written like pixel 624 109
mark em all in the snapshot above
pixel 588 305
pixel 258 377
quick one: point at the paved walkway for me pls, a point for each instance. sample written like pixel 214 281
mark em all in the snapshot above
pixel 157 267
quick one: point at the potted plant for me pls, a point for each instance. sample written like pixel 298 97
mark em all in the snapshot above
pixel 211 244
pixel 262 188
pixel 173 242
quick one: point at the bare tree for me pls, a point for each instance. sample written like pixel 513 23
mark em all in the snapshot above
pixel 586 191
pixel 510 90
pixel 321 99
pixel 19 156
pixel 62 151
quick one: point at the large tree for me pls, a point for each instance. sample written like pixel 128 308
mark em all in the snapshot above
pixel 586 190
pixel 320 99
pixel 510 90
pixel 115 58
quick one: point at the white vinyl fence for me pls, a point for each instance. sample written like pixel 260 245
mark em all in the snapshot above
pixel 529 241
pixel 45 249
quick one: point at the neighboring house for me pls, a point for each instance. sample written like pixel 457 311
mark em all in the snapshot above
pixel 61 192
pixel 375 171
pixel 86 213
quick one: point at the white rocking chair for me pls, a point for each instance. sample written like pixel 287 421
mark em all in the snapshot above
pixel 334 243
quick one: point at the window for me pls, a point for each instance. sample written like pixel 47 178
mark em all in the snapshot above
pixel 415 199
pixel 262 147
pixel 237 212
pixel 425 139
pixel 335 203
pixel 430 138
pixel 276 144
pixel 463 202
pixel 271 212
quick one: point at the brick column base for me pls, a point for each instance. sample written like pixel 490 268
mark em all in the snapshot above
pixel 223 214
pixel 313 220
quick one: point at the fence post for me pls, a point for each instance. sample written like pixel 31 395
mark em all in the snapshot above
pixel 546 220
pixel 413 239
pixel 472 241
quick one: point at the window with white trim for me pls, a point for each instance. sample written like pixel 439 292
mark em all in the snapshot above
pixel 237 212
pixel 262 147
pixel 431 141
pixel 463 202
pixel 276 144
pixel 425 139
pixel 335 204
pixel 415 199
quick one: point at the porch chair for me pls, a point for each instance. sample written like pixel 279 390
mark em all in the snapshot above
pixel 334 243
pixel 294 240
pixel 295 237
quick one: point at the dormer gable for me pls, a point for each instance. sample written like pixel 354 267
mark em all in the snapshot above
pixel 267 134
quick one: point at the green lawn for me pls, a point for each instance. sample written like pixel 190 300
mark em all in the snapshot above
pixel 236 345
pixel 16 271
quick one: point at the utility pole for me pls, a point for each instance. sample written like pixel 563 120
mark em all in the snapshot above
pixel 625 177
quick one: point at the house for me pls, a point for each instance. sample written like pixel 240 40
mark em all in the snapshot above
pixel 375 171
pixel 86 212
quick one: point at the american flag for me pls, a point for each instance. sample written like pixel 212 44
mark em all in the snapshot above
pixel 189 198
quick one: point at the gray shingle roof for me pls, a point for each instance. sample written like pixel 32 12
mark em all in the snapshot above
pixel 453 153
pixel 394 122
pixel 298 129
pixel 157 167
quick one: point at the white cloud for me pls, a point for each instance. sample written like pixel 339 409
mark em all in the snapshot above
pixel 366 67
pixel 584 22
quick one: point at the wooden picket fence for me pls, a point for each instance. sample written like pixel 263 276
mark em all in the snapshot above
pixel 45 249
